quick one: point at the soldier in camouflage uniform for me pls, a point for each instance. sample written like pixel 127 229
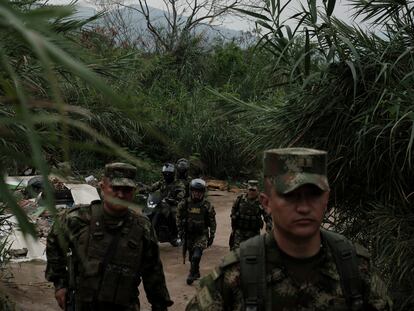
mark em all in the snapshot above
pixel 196 222
pixel 171 189
pixel 172 192
pixel 182 175
pixel 246 216
pixel 298 266
pixel 97 255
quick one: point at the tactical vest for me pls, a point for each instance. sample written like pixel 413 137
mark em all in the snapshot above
pixel 248 216
pixel 253 272
pixel 196 217
pixel 109 263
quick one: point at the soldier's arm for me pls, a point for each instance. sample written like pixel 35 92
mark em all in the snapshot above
pixel 376 295
pixel 180 218
pixel 180 192
pixel 234 210
pixel 153 274
pixel 154 187
pixel 56 251
pixel 235 207
pixel 212 220
pixel 220 290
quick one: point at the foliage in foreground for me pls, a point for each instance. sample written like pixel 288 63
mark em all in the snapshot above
pixel 36 121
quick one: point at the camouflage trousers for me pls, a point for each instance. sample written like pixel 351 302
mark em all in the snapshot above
pixel 240 236
pixel 197 241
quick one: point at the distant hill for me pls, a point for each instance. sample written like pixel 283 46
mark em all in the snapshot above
pixel 135 20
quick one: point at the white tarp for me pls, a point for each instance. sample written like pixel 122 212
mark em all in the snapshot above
pixel 83 194
pixel 20 181
pixel 17 241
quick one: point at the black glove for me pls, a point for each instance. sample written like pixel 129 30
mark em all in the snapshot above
pixel 210 240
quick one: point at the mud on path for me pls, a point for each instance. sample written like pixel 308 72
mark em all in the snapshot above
pixel 31 292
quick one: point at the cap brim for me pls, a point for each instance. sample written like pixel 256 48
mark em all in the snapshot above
pixel 289 182
pixel 123 182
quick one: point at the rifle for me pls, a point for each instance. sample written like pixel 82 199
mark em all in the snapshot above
pixel 70 294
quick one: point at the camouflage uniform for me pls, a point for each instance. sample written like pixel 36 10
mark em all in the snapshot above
pixel 246 219
pixel 174 191
pixel 110 257
pixel 196 222
pixel 221 290
pixel 260 276
pixel 183 166
pixel 185 184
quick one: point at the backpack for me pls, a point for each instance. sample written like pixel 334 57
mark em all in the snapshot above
pixel 253 271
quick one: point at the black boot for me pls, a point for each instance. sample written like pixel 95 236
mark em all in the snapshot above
pixel 196 268
pixel 191 276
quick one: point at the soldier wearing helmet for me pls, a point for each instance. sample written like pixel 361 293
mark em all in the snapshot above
pixel 172 192
pixel 196 222
pixel 299 265
pixel 247 216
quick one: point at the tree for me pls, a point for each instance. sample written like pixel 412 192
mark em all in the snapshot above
pixel 181 20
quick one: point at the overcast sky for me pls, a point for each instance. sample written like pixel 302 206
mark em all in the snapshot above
pixel 341 11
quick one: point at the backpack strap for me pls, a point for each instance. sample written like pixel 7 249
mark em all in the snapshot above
pixel 347 264
pixel 253 273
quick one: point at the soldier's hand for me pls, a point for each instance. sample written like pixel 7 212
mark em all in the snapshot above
pixel 60 296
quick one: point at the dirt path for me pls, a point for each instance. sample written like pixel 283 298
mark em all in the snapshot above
pixel 31 293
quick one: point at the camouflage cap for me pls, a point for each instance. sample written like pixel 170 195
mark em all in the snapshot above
pixel 252 184
pixel 291 168
pixel 121 174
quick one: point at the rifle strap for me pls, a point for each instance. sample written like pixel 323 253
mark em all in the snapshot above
pixel 253 273
pixel 347 264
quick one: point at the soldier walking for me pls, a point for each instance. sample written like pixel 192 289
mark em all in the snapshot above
pixel 247 216
pixel 298 266
pixel 97 255
pixel 196 222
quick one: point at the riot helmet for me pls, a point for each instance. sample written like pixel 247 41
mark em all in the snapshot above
pixel 168 171
pixel 182 168
pixel 197 189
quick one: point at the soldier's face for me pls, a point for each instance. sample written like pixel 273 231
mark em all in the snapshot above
pixel 252 193
pixel 297 214
pixel 116 198
pixel 197 195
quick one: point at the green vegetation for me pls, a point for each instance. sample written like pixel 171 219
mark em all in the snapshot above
pixel 311 81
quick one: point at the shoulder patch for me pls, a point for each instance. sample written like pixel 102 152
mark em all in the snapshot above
pixel 362 251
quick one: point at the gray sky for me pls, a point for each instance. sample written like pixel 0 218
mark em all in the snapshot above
pixel 341 11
